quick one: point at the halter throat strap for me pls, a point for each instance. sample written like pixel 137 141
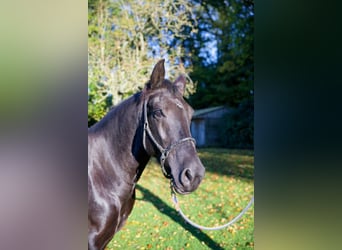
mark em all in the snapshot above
pixel 164 152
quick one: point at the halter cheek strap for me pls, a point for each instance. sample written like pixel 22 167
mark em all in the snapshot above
pixel 164 152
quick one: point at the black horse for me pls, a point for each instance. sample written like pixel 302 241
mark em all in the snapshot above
pixel 153 122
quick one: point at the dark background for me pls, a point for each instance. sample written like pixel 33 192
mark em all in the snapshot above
pixel 43 145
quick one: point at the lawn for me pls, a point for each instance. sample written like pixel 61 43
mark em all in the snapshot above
pixel 226 189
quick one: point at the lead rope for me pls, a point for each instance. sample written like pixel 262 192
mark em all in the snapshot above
pixel 178 209
pixel 164 154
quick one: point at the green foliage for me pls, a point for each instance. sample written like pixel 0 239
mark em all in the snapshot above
pixel 98 102
pixel 126 38
pixel 229 80
pixel 224 192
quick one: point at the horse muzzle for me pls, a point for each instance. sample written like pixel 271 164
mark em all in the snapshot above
pixel 188 180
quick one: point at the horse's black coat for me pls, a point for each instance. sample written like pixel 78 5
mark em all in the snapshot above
pixel 117 156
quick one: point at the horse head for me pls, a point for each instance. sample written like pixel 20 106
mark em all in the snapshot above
pixel 167 118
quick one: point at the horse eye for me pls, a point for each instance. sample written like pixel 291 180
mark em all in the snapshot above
pixel 157 113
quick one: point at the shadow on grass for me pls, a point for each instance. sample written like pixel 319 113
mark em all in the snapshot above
pixel 238 163
pixel 173 214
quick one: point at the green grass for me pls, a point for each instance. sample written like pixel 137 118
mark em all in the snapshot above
pixel 226 189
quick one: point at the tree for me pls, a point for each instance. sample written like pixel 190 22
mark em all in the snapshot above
pixel 124 40
pixel 225 27
pixel 223 65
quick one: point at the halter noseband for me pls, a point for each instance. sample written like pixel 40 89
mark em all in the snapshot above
pixel 163 151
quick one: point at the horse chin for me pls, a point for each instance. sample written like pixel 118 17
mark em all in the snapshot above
pixel 177 189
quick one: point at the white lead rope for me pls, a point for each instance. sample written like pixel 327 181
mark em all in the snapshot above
pixel 175 201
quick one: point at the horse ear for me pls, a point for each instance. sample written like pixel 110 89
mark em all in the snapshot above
pixel 158 75
pixel 180 84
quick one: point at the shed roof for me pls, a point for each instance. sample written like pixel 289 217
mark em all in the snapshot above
pixel 201 112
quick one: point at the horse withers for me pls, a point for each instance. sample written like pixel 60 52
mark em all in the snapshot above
pixel 152 123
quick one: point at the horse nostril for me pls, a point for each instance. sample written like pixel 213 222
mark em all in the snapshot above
pixel 188 174
pixel 188 180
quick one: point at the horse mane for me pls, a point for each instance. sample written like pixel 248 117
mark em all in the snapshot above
pixel 136 99
pixel 117 111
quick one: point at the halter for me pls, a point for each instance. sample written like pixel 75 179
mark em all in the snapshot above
pixel 163 151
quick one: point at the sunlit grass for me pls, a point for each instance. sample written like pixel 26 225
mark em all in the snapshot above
pixel 226 189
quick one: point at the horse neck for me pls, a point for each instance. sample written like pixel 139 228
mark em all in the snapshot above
pixel 123 126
